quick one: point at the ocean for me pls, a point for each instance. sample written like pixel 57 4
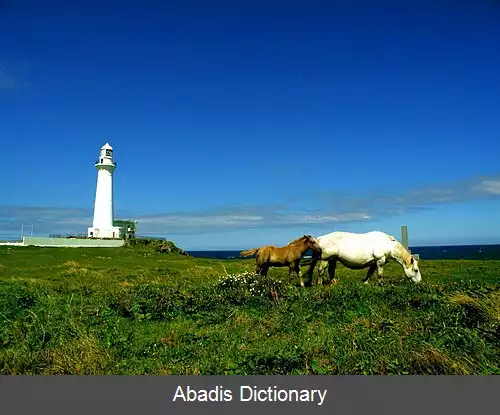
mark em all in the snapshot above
pixel 425 252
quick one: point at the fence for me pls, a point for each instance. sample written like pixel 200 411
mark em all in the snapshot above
pixel 69 235
pixel 72 242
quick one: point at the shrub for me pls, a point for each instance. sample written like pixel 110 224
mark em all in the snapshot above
pixel 247 286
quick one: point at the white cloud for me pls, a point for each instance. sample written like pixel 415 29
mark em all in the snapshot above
pixel 325 208
pixel 203 222
pixel 489 187
pixel 45 220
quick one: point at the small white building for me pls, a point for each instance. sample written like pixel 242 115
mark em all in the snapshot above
pixel 102 226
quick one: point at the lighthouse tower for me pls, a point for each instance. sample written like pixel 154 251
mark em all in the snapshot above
pixel 103 207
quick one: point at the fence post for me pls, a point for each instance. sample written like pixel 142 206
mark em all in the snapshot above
pixel 404 236
pixel 404 240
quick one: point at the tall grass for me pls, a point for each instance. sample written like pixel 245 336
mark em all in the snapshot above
pixel 129 311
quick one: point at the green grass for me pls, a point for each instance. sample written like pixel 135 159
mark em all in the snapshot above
pixel 135 311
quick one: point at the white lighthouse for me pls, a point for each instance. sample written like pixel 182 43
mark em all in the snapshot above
pixel 103 207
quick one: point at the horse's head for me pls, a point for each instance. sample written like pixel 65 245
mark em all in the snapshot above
pixel 412 270
pixel 312 243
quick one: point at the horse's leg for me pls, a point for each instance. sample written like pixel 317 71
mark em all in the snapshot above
pixel 298 271
pixel 380 269
pixel 315 257
pixel 332 266
pixel 321 270
pixel 290 271
pixel 370 272
pixel 265 270
pixel 310 271
pixel 259 266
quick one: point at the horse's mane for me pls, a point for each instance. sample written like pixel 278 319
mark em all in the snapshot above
pixel 401 250
pixel 297 240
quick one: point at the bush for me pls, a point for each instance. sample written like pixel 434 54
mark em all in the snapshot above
pixel 247 286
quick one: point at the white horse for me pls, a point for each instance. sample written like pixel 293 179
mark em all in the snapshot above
pixel 370 250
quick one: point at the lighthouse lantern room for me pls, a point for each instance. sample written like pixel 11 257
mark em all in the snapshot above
pixel 103 225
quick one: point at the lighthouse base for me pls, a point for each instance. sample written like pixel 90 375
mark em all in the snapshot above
pixel 113 232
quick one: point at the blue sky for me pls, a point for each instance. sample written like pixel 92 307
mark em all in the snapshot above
pixel 238 124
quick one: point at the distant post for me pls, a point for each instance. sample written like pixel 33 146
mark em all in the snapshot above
pixel 404 236
pixel 404 239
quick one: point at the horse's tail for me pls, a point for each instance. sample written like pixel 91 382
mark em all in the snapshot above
pixel 249 252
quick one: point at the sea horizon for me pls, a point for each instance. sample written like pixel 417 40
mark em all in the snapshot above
pixel 489 251
pixel 473 251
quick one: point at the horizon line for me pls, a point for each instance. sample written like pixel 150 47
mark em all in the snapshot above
pixel 430 245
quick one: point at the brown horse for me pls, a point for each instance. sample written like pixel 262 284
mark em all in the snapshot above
pixel 282 256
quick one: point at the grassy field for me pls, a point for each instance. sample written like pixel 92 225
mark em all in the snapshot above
pixel 136 311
